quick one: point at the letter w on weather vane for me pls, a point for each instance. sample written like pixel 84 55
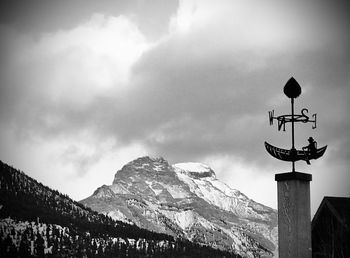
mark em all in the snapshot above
pixel 292 90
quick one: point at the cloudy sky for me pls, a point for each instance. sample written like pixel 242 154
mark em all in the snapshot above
pixel 87 86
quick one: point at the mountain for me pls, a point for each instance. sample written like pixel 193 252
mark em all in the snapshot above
pixel 37 220
pixel 186 200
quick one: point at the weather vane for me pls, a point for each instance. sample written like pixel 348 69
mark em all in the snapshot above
pixel 292 90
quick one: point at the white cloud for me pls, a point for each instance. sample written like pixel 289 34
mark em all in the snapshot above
pixel 75 66
pixel 253 25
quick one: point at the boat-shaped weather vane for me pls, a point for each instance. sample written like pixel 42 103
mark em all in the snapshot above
pixel 292 90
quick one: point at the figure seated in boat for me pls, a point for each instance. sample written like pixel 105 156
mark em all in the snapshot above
pixel 310 150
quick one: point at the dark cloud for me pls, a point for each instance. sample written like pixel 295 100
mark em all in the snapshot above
pixel 41 16
pixel 220 106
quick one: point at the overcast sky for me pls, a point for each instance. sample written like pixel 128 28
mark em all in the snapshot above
pixel 87 86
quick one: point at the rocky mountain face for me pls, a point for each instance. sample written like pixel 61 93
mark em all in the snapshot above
pixel 186 200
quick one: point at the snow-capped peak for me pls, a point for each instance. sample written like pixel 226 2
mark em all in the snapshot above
pixel 193 169
pixel 186 200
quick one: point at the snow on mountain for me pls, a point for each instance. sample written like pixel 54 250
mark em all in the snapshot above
pixel 195 170
pixel 187 200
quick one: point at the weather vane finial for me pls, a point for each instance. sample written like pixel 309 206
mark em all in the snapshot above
pixel 292 90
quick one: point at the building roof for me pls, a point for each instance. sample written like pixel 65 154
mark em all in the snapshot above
pixel 338 206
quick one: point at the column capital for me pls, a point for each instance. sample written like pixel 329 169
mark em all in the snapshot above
pixel 293 176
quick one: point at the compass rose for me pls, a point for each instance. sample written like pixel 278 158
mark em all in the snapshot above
pixel 292 90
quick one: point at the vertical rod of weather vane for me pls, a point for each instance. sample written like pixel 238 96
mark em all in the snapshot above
pixel 293 147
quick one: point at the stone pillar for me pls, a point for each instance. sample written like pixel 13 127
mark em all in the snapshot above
pixel 294 215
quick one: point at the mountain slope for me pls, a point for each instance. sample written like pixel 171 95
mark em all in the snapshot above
pixel 186 200
pixel 35 219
